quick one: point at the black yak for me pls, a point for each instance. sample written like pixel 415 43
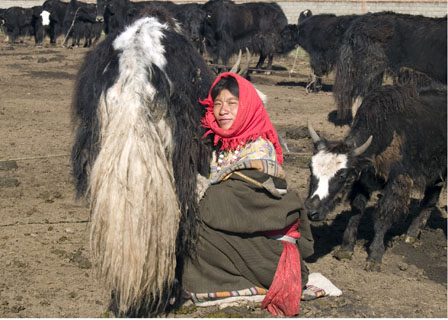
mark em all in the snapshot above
pixel 231 27
pixel 397 144
pixel 80 23
pixel 386 42
pixel 116 14
pixel 53 13
pixel 136 157
pixel 321 37
pixel 19 22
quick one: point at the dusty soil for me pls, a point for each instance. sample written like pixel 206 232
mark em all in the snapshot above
pixel 44 250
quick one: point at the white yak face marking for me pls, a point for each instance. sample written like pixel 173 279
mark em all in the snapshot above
pixel 324 166
pixel 45 18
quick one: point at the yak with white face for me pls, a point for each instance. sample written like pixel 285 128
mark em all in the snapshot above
pixel 331 174
pixel 396 145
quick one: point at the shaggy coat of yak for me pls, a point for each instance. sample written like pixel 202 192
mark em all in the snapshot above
pixel 397 145
pixel 386 42
pixel 321 37
pixel 230 27
pixel 136 157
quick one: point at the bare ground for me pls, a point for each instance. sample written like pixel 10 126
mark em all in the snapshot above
pixel 44 249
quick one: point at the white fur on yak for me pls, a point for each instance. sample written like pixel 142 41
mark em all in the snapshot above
pixel 137 154
pixel 133 197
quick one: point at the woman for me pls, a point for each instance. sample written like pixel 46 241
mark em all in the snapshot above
pixel 248 222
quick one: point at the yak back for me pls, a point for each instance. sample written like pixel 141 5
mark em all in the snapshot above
pixel 242 20
pixel 409 132
pixel 412 41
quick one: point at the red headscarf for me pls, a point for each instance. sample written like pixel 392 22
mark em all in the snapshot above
pixel 251 122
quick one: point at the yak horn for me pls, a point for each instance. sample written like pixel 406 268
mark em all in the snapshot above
pixel 360 150
pixel 313 133
pixel 237 63
pixel 245 69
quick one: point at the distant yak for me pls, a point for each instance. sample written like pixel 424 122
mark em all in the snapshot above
pixel 321 37
pixel 377 43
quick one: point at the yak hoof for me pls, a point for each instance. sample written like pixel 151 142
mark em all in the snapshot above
pixel 343 254
pixel 372 266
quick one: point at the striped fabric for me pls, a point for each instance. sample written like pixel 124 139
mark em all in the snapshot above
pixel 310 292
pixel 269 167
pixel 199 297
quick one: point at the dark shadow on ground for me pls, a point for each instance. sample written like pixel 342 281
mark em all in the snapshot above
pixel 325 87
pixel 328 235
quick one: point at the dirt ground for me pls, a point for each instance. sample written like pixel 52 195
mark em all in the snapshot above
pixel 44 249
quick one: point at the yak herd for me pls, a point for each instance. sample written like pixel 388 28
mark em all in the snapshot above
pixel 138 155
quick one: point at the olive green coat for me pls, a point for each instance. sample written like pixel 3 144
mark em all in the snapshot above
pixel 232 254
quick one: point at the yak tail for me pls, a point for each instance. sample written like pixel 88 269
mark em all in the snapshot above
pixel 134 208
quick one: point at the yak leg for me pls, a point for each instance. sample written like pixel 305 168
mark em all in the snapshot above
pixel 317 85
pixel 428 203
pixel 314 82
pixel 391 207
pixel 351 231
pixel 51 33
pixel 14 34
pixel 260 61
pixel 269 66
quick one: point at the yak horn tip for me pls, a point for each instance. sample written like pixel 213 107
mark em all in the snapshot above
pixel 361 149
pixel 312 132
pixel 237 63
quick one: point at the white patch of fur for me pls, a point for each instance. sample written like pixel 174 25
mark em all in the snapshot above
pixel 178 26
pixel 134 206
pixel 45 18
pixel 324 167
pixel 202 185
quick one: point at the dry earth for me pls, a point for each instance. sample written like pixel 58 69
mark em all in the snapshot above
pixel 44 250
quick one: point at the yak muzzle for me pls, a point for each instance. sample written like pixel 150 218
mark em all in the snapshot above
pixel 313 209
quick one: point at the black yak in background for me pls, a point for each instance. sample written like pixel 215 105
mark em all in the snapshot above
pixel 116 14
pixel 136 157
pixel 377 43
pixel 397 144
pixel 231 27
pixel 80 23
pixel 321 37
pixel 53 13
pixel 21 22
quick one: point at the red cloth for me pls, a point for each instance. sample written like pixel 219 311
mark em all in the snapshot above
pixel 283 297
pixel 252 120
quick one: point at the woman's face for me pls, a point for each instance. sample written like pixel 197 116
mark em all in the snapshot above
pixel 225 108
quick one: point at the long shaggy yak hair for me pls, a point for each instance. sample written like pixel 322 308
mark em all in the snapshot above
pixel 136 156
pixel 387 42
